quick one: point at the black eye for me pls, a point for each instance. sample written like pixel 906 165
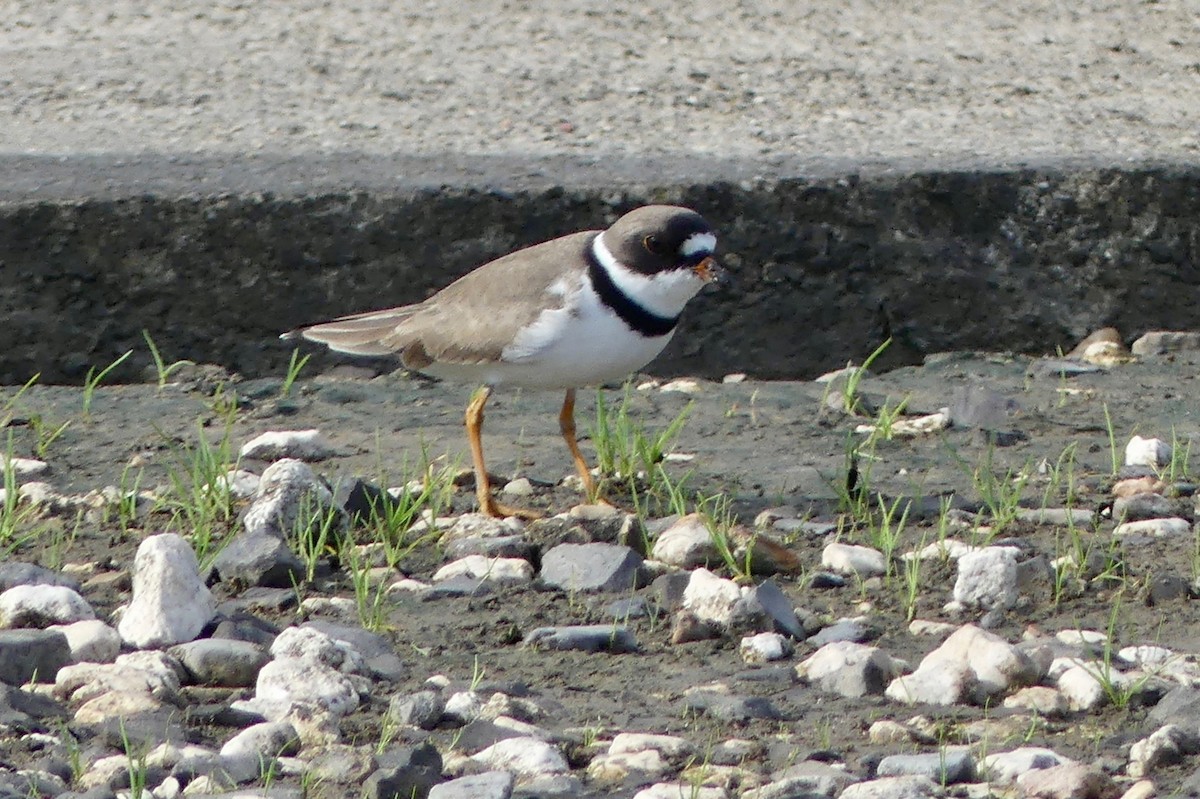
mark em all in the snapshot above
pixel 652 244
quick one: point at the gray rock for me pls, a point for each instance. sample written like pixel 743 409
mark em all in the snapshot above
pixel 732 708
pixel 244 754
pixel 813 776
pixel 221 662
pixel 246 627
pixel 849 669
pixel 489 785
pixel 18 708
pixel 479 734
pixel 1004 768
pixel 406 771
pixel 1058 368
pixel 854 630
pixel 1181 706
pixel 13 573
pixel 290 496
pixel 32 654
pixel 505 546
pixel 340 764
pixel 143 730
pixel 628 608
pixel 1162 342
pixel 894 788
pixel 778 608
pixel 259 559
pixel 274 445
pixel 1058 517
pixel 950 765
pixel 171 604
pixel 585 637
pixel 462 585
pixel 1150 506
pixel 974 405
pixel 421 709
pixel 592 567
pixel 668 589
pixel 42 605
pixel 378 654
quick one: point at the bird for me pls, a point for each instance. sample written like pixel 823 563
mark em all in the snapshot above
pixel 580 310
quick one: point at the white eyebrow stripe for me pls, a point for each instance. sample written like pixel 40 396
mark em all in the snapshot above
pixel 698 243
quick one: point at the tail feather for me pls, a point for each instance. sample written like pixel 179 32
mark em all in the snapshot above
pixel 359 334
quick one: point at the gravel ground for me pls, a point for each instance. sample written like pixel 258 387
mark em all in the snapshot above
pixel 763 444
pixel 867 82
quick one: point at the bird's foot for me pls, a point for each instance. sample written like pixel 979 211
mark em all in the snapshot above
pixel 497 510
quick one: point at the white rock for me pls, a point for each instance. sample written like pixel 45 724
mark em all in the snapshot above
pixel 765 647
pixel 987 578
pixel 408 586
pixel 305 445
pixel 670 746
pixel 914 426
pixel 1152 452
pixel 341 606
pixel 860 561
pixel 1147 655
pixel 481 567
pixel 1005 767
pixel 906 787
pixel 930 628
pixel 24 467
pixel 308 643
pixel 717 600
pixel 1155 528
pixel 115 705
pixel 849 668
pixel 681 790
pixel 242 484
pixel 946 549
pixel 942 683
pixel 998 665
pixel 1142 789
pixel 1166 745
pixel 171 604
pixel 42 606
pixel 1082 687
pixel 285 684
pixel 613 769
pixel 686 544
pixel 463 706
pixel 152 673
pixel 527 757
pixel 91 641
pixel 478 525
pixel 520 487
pixel 681 385
pixel 1039 699
pixel 1081 637
pixel 262 742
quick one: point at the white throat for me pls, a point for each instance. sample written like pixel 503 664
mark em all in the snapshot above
pixel 663 294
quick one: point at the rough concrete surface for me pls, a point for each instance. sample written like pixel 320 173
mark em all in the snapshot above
pixel 955 175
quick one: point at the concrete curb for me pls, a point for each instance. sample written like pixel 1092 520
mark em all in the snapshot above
pixel 215 257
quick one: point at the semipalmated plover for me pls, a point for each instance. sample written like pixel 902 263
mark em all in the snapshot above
pixel 579 310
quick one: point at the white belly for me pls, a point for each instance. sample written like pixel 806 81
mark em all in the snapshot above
pixel 582 344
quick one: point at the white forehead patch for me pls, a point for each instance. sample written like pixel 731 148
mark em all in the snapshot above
pixel 698 243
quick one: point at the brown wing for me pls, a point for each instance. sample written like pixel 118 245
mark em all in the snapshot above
pixel 471 320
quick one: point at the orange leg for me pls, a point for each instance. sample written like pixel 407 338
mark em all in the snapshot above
pixel 566 423
pixel 483 487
